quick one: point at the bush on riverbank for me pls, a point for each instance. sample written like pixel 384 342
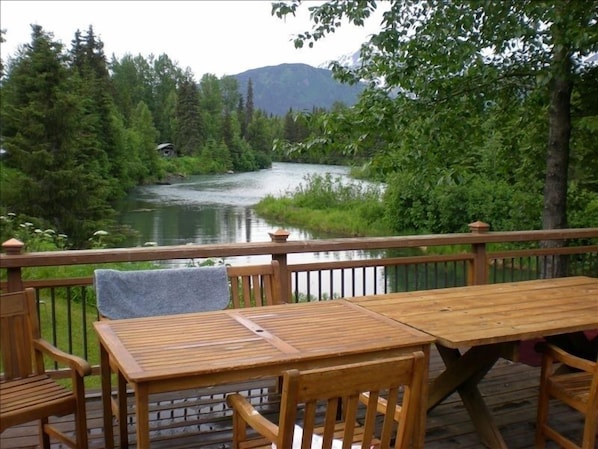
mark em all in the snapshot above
pixel 327 204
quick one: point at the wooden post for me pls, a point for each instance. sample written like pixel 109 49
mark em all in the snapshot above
pixel 479 273
pixel 281 236
pixel 14 282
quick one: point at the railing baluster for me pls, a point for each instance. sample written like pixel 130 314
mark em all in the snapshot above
pixel 296 286
pixel 69 318
pixel 319 285
pixel 54 322
pixel 84 321
pixel 331 292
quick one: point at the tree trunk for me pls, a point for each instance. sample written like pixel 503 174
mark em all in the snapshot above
pixel 557 159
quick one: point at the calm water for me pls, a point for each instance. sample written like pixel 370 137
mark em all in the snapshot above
pixel 210 209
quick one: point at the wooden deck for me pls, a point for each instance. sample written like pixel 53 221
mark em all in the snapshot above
pixel 192 421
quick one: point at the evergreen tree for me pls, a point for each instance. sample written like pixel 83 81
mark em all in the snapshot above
pixel 241 116
pixel 188 120
pixel 295 127
pixel 260 139
pixel 42 116
pixel 248 106
pixel 227 130
pixel 89 66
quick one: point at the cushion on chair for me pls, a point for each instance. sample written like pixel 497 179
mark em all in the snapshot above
pixel 142 293
pixel 530 356
pixel 316 441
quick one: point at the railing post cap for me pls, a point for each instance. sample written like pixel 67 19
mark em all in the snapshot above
pixel 479 227
pixel 13 246
pixel 279 236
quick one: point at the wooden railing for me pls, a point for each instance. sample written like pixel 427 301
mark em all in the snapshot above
pixel 402 263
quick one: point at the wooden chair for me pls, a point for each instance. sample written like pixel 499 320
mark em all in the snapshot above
pixel 254 285
pixel 374 383
pixel 27 393
pixel 578 388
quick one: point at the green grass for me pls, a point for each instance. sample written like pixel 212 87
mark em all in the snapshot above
pixel 328 205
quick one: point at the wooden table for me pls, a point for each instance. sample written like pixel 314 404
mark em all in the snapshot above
pixel 488 321
pixel 179 352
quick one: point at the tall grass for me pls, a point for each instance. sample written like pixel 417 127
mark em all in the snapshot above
pixel 330 205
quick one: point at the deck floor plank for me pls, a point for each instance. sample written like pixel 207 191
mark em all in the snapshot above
pixel 510 391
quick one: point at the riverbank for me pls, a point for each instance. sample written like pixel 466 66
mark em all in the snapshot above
pixel 328 205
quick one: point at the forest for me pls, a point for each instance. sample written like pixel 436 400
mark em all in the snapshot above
pixel 472 111
pixel 79 131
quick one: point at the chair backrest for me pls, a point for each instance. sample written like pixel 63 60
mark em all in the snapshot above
pixel 578 388
pixel 142 293
pixel 393 387
pixel 19 326
pixel 254 285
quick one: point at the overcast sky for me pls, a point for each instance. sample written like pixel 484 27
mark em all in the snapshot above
pixel 222 37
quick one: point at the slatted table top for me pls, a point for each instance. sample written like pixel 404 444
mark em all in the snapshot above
pixel 257 341
pixel 494 313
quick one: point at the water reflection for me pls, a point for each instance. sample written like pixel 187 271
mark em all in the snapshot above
pixel 216 208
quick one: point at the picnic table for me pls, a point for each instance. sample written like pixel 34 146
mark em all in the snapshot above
pixel 473 326
pixel 193 350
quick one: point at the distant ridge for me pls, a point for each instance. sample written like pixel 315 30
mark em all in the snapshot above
pixel 276 89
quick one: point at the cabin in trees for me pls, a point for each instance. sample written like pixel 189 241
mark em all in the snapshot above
pixel 166 150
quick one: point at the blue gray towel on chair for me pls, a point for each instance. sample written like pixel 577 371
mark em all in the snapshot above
pixel 132 294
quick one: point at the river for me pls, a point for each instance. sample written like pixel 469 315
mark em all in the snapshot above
pixel 211 209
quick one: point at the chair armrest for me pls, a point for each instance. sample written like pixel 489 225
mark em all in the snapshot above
pixel 80 365
pixel 557 354
pixel 252 417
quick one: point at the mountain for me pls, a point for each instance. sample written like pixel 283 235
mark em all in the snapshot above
pixel 276 89
pixel 351 60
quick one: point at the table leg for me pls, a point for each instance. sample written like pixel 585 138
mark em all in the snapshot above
pixel 462 374
pixel 106 397
pixel 122 410
pixel 460 368
pixel 142 410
